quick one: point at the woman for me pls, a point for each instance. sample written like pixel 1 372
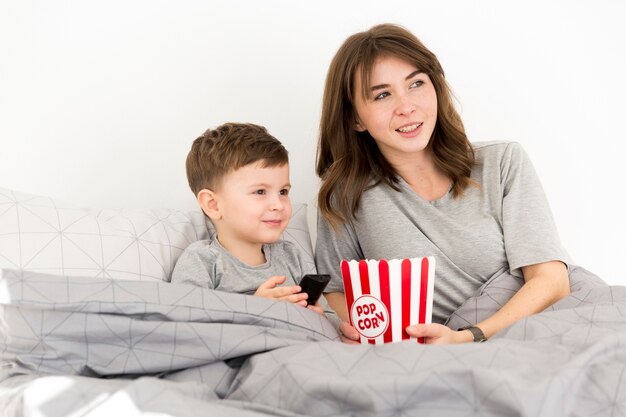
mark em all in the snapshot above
pixel 401 179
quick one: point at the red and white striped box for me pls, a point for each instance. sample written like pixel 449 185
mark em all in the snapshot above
pixel 385 296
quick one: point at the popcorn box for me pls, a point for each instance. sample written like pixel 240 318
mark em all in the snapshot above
pixel 385 296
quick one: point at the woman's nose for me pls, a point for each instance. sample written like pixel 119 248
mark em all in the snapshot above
pixel 404 105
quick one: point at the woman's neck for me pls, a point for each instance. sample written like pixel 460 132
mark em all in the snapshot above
pixel 424 178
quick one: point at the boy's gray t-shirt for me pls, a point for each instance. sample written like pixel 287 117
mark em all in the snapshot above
pixel 208 264
pixel 504 224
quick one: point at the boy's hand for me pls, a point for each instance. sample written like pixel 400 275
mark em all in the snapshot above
pixel 291 293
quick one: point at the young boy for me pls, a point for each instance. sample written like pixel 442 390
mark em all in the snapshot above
pixel 240 176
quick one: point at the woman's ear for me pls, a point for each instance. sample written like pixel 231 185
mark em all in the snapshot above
pixel 207 199
pixel 358 126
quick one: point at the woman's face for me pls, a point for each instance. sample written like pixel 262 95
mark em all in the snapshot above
pixel 399 110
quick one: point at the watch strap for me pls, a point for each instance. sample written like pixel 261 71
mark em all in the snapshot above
pixel 476 332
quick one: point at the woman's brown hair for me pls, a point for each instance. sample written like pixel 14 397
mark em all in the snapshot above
pixel 349 162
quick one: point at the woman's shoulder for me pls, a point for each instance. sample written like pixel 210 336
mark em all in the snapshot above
pixel 496 150
pixel 494 145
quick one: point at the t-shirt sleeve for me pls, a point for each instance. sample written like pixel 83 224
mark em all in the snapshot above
pixel 530 233
pixel 195 266
pixel 331 248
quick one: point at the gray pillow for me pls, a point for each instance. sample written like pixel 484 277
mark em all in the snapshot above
pixel 42 234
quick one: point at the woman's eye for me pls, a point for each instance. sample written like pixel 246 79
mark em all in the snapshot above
pixel 381 95
pixel 417 83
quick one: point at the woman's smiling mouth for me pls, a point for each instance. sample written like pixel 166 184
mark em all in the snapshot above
pixel 408 128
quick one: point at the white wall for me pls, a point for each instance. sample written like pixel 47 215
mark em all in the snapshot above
pixel 99 101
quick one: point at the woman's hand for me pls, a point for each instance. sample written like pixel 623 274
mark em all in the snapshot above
pixel 437 334
pixel 433 334
pixel 291 293
pixel 348 333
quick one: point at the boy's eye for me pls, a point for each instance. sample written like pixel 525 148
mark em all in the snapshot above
pixel 259 192
pixel 284 191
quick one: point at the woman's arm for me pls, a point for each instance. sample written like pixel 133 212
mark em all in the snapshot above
pixel 545 284
pixel 337 301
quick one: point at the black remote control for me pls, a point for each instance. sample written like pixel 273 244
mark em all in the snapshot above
pixel 313 285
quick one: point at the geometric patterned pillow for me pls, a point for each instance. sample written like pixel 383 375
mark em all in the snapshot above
pixel 45 235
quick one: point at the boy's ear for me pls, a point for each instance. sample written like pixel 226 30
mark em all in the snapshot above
pixel 208 203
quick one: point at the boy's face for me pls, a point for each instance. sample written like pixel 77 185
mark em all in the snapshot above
pixel 253 204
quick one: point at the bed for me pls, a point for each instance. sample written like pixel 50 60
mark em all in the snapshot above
pixel 90 326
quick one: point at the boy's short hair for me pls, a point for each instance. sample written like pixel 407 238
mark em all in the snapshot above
pixel 229 147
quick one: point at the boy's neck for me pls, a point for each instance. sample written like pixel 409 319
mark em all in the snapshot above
pixel 248 253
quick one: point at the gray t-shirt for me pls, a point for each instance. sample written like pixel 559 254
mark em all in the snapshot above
pixel 503 225
pixel 207 264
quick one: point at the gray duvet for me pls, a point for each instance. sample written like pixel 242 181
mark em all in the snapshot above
pixel 87 347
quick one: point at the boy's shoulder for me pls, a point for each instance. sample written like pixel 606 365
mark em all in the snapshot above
pixel 210 248
pixel 200 245
pixel 201 248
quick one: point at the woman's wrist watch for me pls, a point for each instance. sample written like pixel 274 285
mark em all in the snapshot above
pixel 476 332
